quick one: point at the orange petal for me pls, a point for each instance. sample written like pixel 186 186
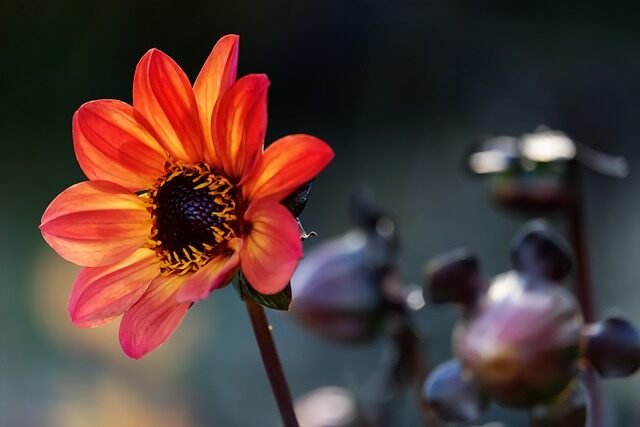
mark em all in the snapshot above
pixel 286 165
pixel 217 75
pixel 96 223
pixel 272 248
pixel 162 93
pixel 240 124
pixel 101 293
pixel 112 144
pixel 154 318
pixel 215 274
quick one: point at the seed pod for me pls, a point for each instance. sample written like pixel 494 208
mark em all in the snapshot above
pixel 538 250
pixel 454 277
pixel 522 341
pixel 453 395
pixel 336 292
pixel 613 347
pixel 339 287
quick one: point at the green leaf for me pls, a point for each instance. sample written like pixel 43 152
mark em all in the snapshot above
pixel 280 301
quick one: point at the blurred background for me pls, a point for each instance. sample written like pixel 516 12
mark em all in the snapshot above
pixel 399 90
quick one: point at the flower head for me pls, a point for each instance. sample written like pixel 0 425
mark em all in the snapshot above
pixel 181 195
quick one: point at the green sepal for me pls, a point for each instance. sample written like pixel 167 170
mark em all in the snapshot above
pixel 280 301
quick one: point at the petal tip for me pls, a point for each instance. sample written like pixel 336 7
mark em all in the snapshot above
pixel 133 353
pixel 83 322
pixel 88 104
pixel 76 320
pixel 231 38
pixel 147 56
pixel 263 78
pixel 131 350
pixel 151 55
pixel 259 80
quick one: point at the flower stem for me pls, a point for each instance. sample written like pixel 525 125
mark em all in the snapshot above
pixel 410 346
pixel 575 219
pixel 583 282
pixel 271 363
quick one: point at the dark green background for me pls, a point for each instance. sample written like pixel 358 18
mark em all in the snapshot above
pixel 399 89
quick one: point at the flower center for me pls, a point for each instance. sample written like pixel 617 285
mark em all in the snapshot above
pixel 194 214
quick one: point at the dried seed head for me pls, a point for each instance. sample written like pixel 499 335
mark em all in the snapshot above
pixel 522 341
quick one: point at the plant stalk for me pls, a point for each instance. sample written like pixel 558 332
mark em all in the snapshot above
pixel 408 340
pixel 575 219
pixel 272 363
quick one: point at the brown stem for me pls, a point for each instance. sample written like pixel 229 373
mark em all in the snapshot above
pixel 409 344
pixel 583 282
pixel 271 363
pixel 584 291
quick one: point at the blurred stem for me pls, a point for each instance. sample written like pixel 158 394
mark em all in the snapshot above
pixel 575 218
pixel 412 357
pixel 583 282
pixel 271 363
pixel 408 364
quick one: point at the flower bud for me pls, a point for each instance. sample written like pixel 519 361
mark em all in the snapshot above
pixel 337 288
pixel 453 395
pixel 613 347
pixel 522 341
pixel 538 250
pixel 454 277
pixel 297 200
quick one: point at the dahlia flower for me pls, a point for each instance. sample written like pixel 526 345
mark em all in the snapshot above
pixel 180 196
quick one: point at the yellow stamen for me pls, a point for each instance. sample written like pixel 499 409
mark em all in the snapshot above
pixel 178 258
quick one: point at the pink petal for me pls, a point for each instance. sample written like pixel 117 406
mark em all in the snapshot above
pixel 153 319
pixel 101 293
pixel 286 165
pixel 112 143
pixel 217 75
pixel 96 223
pixel 162 93
pixel 215 274
pixel 272 248
pixel 240 124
